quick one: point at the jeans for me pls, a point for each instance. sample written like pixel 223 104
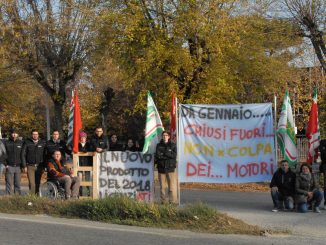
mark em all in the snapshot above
pixel 2 169
pixel 13 178
pixel 278 200
pixel 169 181
pixel 34 174
pixel 316 198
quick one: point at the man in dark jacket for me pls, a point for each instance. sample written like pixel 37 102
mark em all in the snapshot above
pixel 283 187
pixel 33 152
pixel 99 142
pixel 322 168
pixel 165 157
pixel 14 162
pixel 55 144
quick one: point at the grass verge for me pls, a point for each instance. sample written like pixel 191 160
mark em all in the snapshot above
pixel 194 217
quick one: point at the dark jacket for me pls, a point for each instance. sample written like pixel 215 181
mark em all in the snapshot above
pixel 115 147
pixel 52 146
pixel 285 182
pixel 305 183
pixel 322 149
pixel 99 142
pixel 85 160
pixel 133 148
pixel 165 157
pixel 33 152
pixel 14 151
pixel 3 153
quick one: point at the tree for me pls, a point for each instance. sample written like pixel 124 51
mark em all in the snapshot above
pixel 205 50
pixel 50 40
pixel 311 18
pixel 21 106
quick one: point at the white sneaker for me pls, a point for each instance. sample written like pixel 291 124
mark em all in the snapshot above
pixel 275 210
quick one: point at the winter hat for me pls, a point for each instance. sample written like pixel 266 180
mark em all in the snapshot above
pixel 82 134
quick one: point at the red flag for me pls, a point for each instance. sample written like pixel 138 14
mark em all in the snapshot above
pixel 173 120
pixel 312 132
pixel 77 124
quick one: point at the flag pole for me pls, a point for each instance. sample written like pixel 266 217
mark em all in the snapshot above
pixel 275 129
pixel 178 148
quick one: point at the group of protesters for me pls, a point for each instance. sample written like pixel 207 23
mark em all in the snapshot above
pixel 35 155
pixel 297 190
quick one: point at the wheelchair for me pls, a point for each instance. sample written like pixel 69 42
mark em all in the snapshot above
pixel 52 189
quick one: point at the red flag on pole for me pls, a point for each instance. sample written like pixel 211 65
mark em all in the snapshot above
pixel 77 124
pixel 312 132
pixel 173 120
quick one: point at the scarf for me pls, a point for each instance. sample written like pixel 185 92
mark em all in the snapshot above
pixel 306 177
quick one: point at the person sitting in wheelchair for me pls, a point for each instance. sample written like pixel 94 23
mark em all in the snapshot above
pixel 57 171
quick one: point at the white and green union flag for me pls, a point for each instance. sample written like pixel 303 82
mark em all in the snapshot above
pixel 285 132
pixel 154 127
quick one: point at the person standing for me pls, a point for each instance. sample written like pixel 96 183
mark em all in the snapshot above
pixel 165 157
pixel 84 161
pixel 84 146
pixel 14 163
pixel 282 187
pixel 114 145
pixel 130 146
pixel 99 142
pixel 56 144
pixel 3 157
pixel 322 167
pixel 33 158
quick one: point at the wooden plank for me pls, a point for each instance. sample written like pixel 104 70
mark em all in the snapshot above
pixel 95 178
pixel 75 163
pixel 86 183
pixel 85 169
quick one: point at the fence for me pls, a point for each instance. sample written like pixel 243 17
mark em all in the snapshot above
pixel 302 150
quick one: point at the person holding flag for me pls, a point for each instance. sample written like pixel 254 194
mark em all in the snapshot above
pixel 285 132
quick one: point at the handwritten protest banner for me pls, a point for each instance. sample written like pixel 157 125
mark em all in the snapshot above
pixel 226 143
pixel 126 173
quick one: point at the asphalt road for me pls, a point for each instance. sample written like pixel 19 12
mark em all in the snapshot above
pixel 37 230
pixel 254 208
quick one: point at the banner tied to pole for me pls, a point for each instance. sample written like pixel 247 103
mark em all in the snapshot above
pixel 226 143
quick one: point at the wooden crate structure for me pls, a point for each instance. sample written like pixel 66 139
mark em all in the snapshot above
pixel 92 184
